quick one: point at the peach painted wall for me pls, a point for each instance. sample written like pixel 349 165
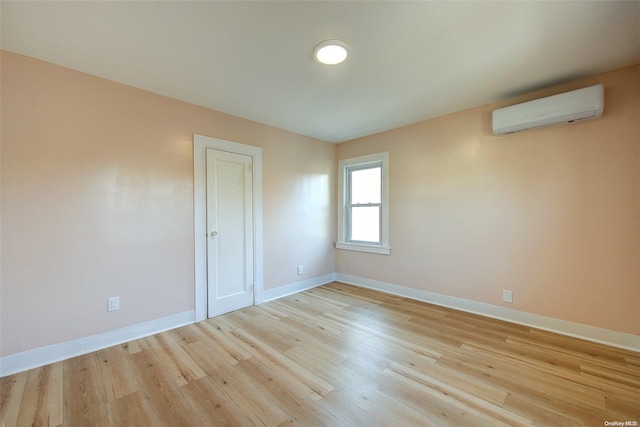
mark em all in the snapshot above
pixel 551 214
pixel 97 201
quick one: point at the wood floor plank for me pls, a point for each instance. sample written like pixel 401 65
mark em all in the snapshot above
pixel 435 412
pixel 175 359
pixel 415 309
pixel 84 401
pixel 607 386
pixel 115 373
pixel 351 411
pixel 633 362
pixel 186 334
pixel 55 395
pixel 619 375
pixel 12 392
pixel 376 401
pixel 27 413
pixel 44 404
pixel 334 355
pixel 306 307
pixel 624 409
pixel 222 323
pixel 346 299
pixel 240 393
pixel 303 379
pixel 312 338
pixel 363 294
pixel 290 422
pixel 130 410
pixel 371 330
pixel 582 346
pixel 511 377
pixel 553 415
pixel 316 294
pixel 279 340
pixel 456 396
pixel 132 347
pixel 478 386
pixel 572 353
pixel 167 404
pixel 210 405
pixel 322 331
pixel 221 344
pixel 391 341
pixel 274 311
pixel 321 323
pixel 295 402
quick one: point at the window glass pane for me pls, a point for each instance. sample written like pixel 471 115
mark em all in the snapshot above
pixel 366 185
pixel 365 224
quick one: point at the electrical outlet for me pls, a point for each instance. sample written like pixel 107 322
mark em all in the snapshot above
pixel 507 296
pixel 300 270
pixel 114 304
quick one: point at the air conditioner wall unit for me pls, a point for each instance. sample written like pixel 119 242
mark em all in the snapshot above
pixel 568 107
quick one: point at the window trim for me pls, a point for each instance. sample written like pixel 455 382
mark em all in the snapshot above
pixel 372 160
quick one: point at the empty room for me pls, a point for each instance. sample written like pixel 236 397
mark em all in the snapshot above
pixel 319 213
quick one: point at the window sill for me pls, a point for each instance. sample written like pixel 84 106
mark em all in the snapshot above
pixel 374 249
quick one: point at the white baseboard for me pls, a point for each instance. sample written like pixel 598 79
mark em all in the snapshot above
pixel 564 327
pixel 30 359
pixel 35 358
pixel 293 288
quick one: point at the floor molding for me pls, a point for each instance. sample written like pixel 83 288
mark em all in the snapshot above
pixel 42 356
pixel 564 327
pixel 283 291
pixel 35 358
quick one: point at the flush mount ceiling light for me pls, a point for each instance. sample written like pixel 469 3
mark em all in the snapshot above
pixel 331 52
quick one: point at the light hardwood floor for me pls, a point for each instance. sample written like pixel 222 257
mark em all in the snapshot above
pixel 335 355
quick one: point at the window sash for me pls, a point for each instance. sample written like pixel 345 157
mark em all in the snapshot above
pixel 349 205
pixel 350 223
pixel 374 194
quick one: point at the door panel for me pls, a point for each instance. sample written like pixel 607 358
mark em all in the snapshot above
pixel 229 232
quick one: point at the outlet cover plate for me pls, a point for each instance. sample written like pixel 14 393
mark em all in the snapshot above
pixel 507 296
pixel 114 304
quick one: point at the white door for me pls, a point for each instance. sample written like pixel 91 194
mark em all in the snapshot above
pixel 230 274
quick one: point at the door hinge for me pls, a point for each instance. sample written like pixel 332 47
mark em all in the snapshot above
pixel 250 165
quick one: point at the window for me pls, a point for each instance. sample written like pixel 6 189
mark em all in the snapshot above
pixel 364 203
pixel 363 213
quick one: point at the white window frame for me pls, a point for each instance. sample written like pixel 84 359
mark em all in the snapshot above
pixel 371 160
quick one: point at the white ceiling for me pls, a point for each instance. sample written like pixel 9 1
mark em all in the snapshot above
pixel 410 61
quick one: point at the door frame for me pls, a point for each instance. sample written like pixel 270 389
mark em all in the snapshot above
pixel 200 145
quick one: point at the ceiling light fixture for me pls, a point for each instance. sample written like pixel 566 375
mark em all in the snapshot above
pixel 331 52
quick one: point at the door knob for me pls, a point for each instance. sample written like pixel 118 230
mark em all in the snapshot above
pixel 213 234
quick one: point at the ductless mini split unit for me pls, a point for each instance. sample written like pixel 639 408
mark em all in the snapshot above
pixel 569 107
